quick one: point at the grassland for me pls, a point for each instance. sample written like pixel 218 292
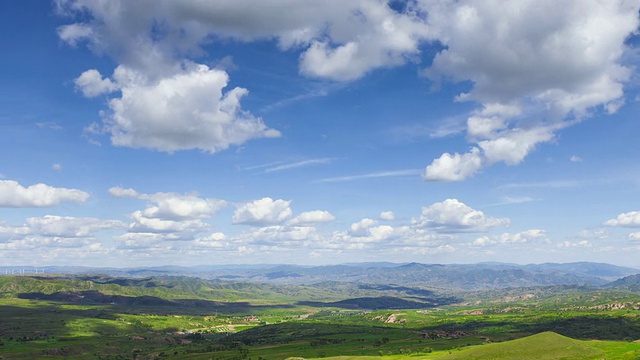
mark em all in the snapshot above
pixel 109 318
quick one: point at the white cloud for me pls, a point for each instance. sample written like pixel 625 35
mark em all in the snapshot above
pixel 387 215
pixel 634 236
pixel 362 227
pixel 178 228
pixel 263 212
pixel 452 216
pixel 8 232
pixel 52 231
pixel 360 235
pixel 341 40
pixel 312 217
pixel 175 206
pixel 48 244
pixel 512 146
pixel 168 216
pixel 12 194
pixel 281 235
pixel 69 227
pixel 172 206
pixel 428 250
pixel 629 219
pixel 74 33
pixel 119 192
pixel 56 167
pixel 575 158
pixel 535 69
pixel 454 167
pixel 508 238
pixel 183 110
pixel 569 244
pixel 592 234
pixel 169 104
pixel 363 36
pixel 132 240
pixel 92 84
pixel 216 240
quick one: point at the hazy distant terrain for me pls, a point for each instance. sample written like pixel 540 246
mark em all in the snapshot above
pixel 440 276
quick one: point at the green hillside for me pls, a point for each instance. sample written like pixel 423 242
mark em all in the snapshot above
pixel 546 345
pixel 542 346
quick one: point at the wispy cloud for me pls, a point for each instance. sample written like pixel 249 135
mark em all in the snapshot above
pixel 291 100
pixel 258 166
pixel 298 164
pixel 544 184
pixel 508 200
pixel 49 125
pixel 411 132
pixel 396 173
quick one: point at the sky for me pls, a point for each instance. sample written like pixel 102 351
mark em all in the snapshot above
pixel 139 133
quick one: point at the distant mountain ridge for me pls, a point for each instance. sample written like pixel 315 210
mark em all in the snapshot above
pixel 451 277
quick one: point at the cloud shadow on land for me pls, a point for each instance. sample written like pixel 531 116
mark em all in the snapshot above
pixel 148 304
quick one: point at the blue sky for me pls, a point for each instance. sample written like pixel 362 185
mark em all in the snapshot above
pixel 148 133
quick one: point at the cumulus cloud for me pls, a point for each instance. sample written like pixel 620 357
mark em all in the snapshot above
pixel 377 37
pixel 598 234
pixel 215 240
pixel 454 167
pixel 172 206
pixel 91 84
pixel 182 229
pixel 508 238
pixel 53 231
pixel 340 40
pixel 634 236
pixel 629 219
pixel 569 244
pixel 387 215
pixel 451 216
pixel 281 235
pixel 263 212
pixel 362 227
pixel 175 206
pixel 119 192
pixel 168 216
pixel 186 109
pixel 69 227
pixel 12 194
pixel 534 70
pixel 136 241
pixel 168 103
pixel 312 217
pixel 8 232
pixel 360 235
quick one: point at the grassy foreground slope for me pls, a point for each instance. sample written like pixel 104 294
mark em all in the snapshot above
pixel 547 345
pixel 543 346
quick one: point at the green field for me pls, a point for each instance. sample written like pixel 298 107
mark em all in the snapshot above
pixel 105 318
